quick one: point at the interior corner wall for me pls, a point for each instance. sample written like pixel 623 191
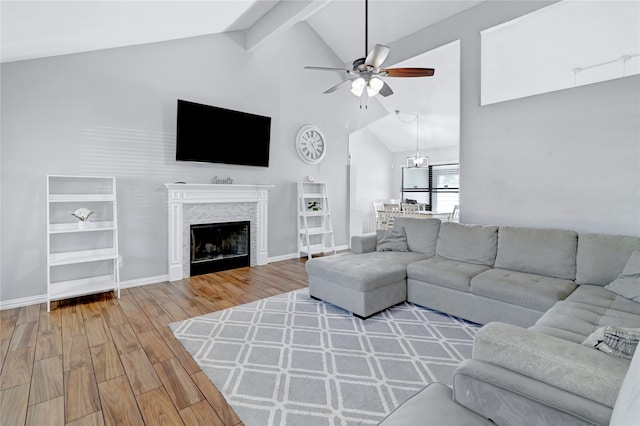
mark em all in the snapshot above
pixel 371 178
pixel 567 159
pixel 113 112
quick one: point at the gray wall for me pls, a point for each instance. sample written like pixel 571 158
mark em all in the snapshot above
pixel 113 112
pixel 567 159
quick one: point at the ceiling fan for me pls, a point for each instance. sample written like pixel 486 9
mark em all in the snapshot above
pixel 367 71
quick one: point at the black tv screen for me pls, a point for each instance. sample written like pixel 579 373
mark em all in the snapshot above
pixel 211 134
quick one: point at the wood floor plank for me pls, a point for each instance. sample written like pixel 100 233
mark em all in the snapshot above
pixel 200 414
pixel 157 409
pixel 142 376
pixel 75 352
pixel 82 346
pixel 180 353
pixel 24 334
pixel 125 338
pixel 155 347
pixel 179 385
pixel 46 413
pixel 93 419
pixel 17 367
pixel 72 321
pixel 49 343
pixel 97 331
pixel 106 362
pixel 13 405
pixel 46 380
pixel 80 393
pixel 29 313
pixel 119 406
pixel 215 398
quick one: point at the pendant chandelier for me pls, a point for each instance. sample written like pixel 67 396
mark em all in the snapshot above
pixel 417 160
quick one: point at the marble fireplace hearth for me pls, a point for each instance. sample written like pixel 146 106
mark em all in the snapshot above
pixel 194 204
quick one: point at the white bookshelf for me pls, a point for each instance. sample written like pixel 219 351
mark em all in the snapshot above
pixel 315 228
pixel 81 261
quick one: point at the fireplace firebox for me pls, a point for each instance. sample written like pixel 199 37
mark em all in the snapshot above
pixel 220 246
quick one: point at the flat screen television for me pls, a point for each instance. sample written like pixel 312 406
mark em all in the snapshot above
pixel 211 134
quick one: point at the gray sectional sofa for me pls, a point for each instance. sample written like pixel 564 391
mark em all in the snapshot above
pixel 539 293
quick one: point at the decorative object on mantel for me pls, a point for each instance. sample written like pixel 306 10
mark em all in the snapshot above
pixel 417 160
pixel 82 214
pixel 223 181
pixel 314 206
pixel 311 179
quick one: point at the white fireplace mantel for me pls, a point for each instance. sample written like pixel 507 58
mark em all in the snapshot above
pixel 181 194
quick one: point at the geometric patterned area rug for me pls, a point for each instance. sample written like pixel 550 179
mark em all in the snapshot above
pixel 292 360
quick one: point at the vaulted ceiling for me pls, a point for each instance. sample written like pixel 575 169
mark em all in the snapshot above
pixel 36 29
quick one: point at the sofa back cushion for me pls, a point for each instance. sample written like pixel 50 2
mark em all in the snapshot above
pixel 601 257
pixel 548 252
pixel 468 243
pixel 422 234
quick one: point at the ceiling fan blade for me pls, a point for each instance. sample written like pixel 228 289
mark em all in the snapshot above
pixel 409 72
pixel 334 88
pixel 386 90
pixel 326 69
pixel 377 55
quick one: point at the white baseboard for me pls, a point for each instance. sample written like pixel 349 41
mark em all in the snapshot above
pixel 144 281
pixel 23 301
pixel 295 255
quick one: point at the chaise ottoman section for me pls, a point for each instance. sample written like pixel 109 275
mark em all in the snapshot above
pixel 362 284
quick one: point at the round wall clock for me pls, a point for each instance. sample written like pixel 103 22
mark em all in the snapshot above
pixel 311 144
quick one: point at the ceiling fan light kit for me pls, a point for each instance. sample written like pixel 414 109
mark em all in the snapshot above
pixel 367 72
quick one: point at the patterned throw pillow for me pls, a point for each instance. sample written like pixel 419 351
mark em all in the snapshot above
pixel 391 240
pixel 620 342
pixel 627 284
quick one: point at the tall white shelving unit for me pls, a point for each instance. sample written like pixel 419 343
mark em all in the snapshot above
pixel 315 229
pixel 81 261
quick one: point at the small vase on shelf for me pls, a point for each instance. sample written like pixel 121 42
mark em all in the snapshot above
pixel 83 225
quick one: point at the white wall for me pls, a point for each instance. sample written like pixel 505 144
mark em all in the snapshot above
pixel 113 112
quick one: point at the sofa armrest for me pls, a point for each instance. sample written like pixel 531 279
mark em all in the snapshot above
pixel 566 365
pixel 365 243
pixel 509 398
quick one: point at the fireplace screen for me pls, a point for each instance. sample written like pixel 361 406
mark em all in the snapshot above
pixel 219 246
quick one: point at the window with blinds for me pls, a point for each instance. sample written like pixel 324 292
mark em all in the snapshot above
pixel 437 187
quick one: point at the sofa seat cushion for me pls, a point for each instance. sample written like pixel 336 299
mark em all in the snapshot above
pixel 550 252
pixel 445 272
pixel 574 321
pixel 520 288
pixel 363 272
pixel 596 295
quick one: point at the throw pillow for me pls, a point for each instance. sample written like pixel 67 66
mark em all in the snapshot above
pixel 391 240
pixel 615 341
pixel 627 284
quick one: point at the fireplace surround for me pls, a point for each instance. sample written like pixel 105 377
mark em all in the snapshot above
pixel 196 204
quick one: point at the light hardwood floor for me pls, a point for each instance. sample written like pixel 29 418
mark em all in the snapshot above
pixel 101 360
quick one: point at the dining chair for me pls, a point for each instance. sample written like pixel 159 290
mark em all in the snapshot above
pixel 454 216
pixel 410 208
pixel 378 209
